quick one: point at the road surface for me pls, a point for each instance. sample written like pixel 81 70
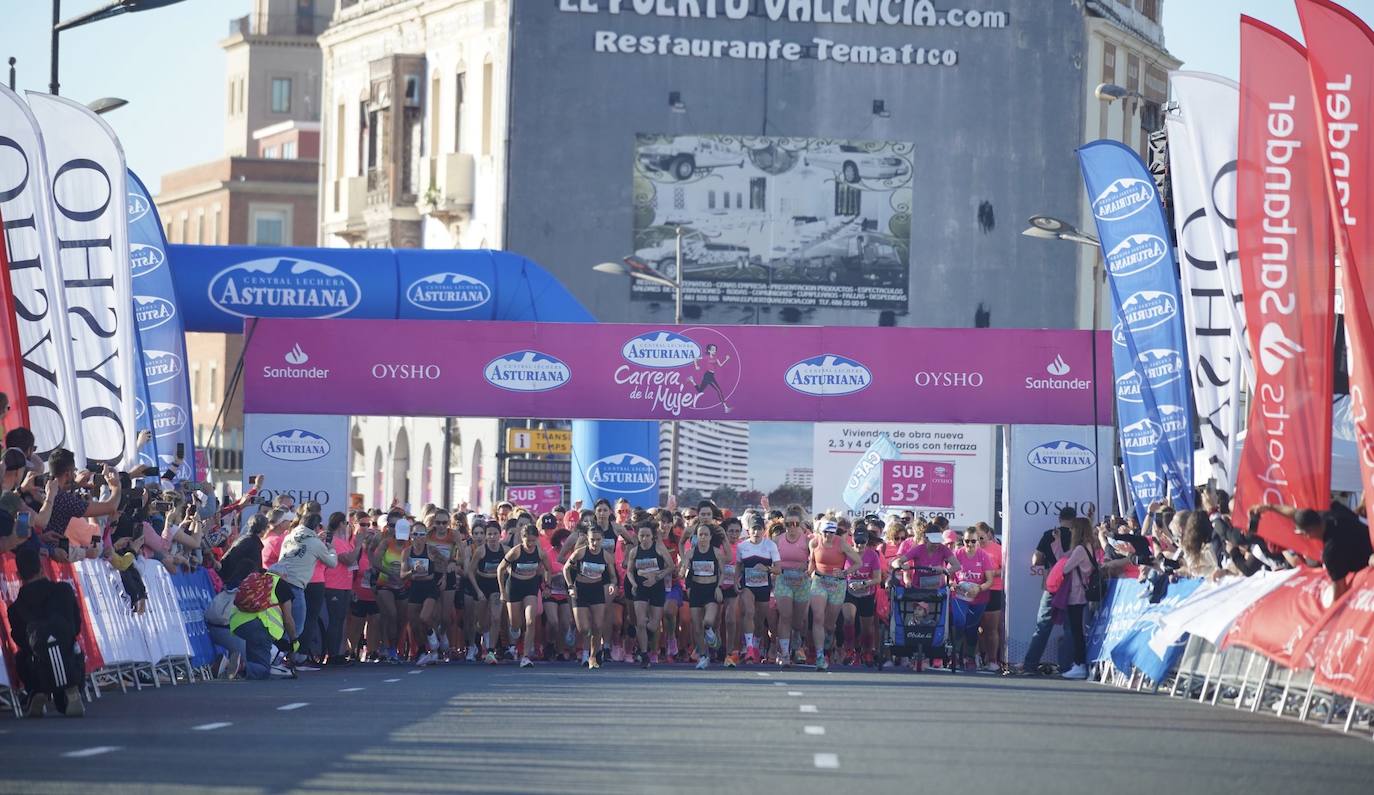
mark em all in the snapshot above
pixel 560 729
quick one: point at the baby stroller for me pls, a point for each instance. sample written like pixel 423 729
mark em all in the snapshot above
pixel 919 624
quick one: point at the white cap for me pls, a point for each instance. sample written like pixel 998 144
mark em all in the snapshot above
pixel 402 530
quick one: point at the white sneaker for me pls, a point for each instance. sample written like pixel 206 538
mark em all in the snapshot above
pixel 570 638
pixel 888 665
pixel 711 639
pixel 1076 672
pixel 701 664
pixel 526 662
pixel 583 659
pixel 472 653
pixel 282 672
pixel 992 668
pixel 428 658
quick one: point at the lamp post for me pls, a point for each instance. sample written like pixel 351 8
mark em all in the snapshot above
pixel 106 104
pixel 1047 227
pixel 114 8
pixel 638 270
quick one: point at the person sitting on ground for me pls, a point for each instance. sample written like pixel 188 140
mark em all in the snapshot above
pixel 1346 545
pixel 45 621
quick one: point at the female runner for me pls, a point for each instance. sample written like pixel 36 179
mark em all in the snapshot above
pixel 443 541
pixel 793 588
pixel 482 568
pixel 558 631
pixel 973 589
pixel 990 642
pixel 670 535
pixel 522 572
pixel 386 551
pixel 418 567
pixel 829 551
pixel 649 570
pixel 614 616
pixel 700 568
pixel 758 562
pixel 860 600
pixel 590 572
pixel 729 590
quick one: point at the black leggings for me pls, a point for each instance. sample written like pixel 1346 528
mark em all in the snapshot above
pixel 1080 641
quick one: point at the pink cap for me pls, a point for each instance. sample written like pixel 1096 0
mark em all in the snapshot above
pixel 951 537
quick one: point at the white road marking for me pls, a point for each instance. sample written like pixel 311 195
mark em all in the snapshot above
pixel 808 708
pixel 412 673
pixel 209 727
pixel 350 689
pixel 829 761
pixel 763 673
pixel 96 751
pixel 794 692
pixel 780 684
pixel 293 705
pixel 816 730
pixel 391 681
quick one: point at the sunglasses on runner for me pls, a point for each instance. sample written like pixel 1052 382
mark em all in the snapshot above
pixel 794 524
pixel 969 542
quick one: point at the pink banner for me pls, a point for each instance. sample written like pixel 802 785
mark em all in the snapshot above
pixel 538 499
pixel 625 371
pixel 918 484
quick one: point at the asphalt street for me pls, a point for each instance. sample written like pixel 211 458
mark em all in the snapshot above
pixel 561 729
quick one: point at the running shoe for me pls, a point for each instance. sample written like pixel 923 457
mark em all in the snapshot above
pixel 799 657
pixel 593 662
pixel 472 653
pixel 526 662
pixel 428 658
pixel 618 653
pixel 888 665
pixel 282 672
pixel 702 663
pixel 653 658
pixel 821 664
pixel 75 706
pixel 1076 672
pixel 712 639
pixel 731 660
pixel 992 668
pixel 643 660
pixel 570 638
pixel 306 666
pixel 672 647
pixel 511 652
pixel 602 655
pixel 490 659
pixel 584 659
pixel 38 703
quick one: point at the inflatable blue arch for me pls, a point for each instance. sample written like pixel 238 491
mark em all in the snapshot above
pixel 218 287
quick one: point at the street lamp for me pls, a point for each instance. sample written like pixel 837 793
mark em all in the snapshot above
pixel 637 270
pixel 114 8
pixel 1047 227
pixel 106 104
pixel 1111 92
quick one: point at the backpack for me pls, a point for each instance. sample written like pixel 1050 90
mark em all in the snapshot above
pixel 1093 587
pixel 255 593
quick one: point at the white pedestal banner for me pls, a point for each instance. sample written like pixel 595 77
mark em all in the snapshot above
pixel 969 450
pixel 1046 467
pixel 303 455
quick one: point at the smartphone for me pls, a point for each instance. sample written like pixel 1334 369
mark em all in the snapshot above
pixel 181 451
pixel 1254 523
pixel 21 526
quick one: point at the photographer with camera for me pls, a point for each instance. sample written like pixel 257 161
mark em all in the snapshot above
pixel 63 503
pixel 299 552
pixel 1346 545
pixel 18 501
pixel 45 621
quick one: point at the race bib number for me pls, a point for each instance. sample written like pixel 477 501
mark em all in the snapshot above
pixel 757 577
pixel 527 569
pixel 646 567
pixel 727 574
pixel 593 571
pixel 704 568
pixel 419 565
pixel 608 543
pixel 791 576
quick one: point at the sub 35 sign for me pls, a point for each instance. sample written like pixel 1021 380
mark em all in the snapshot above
pixel 913 484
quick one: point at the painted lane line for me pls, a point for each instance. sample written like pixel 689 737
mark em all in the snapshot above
pixel 96 751
pixel 293 705
pixel 209 727
pixel 412 673
pixel 780 684
pixel 390 681
pixel 816 730
pixel 809 708
pixel 763 673
pixel 827 761
pixel 350 689
pixel 794 692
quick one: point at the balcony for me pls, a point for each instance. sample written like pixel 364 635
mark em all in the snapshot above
pixel 452 187
pixel 343 215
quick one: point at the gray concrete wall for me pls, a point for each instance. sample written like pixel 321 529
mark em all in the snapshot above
pixel 1000 127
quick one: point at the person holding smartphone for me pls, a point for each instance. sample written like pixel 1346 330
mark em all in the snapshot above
pixel 62 503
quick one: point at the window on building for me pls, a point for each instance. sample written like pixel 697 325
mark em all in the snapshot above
pixel 727 199
pixel 185 236
pixel 758 193
pixel 339 127
pixel 214 226
pixel 488 100
pixel 460 87
pixel 167 231
pixel 195 385
pixel 288 150
pixel 710 200
pixel 270 153
pixel 281 95
pixel 848 200
pixel 1148 8
pixel 213 391
pixel 200 227
pixel 243 95
pixel 433 145
pixel 269 226
pixel 374 119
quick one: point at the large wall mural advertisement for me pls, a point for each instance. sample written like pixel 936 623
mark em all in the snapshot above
pixel 783 221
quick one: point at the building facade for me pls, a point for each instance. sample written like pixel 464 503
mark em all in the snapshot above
pixel 801 477
pixel 711 454
pixel 863 163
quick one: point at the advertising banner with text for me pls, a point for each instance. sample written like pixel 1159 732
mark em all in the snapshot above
pixel 305 456
pixel 627 371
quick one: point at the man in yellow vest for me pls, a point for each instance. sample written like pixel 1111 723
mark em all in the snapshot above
pixel 261 631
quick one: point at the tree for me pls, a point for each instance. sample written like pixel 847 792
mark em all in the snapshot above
pixel 750 498
pixel 725 497
pixel 783 496
pixel 689 497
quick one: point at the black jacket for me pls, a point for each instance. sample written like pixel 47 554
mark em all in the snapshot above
pixel 242 559
pixel 45 602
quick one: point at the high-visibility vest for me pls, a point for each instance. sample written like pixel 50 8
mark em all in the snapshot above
pixel 270 618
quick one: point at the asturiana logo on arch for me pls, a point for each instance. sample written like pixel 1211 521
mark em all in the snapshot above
pixel 1140 438
pixel 661 349
pixel 1123 198
pixel 828 375
pixel 284 287
pixel 144 259
pixel 295 444
pixel 1161 366
pixel 1136 253
pixel 527 371
pixel 626 473
pixel 1148 309
pixel 1061 456
pixel 448 292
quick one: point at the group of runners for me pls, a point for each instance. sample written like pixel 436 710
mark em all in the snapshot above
pixel 618 583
